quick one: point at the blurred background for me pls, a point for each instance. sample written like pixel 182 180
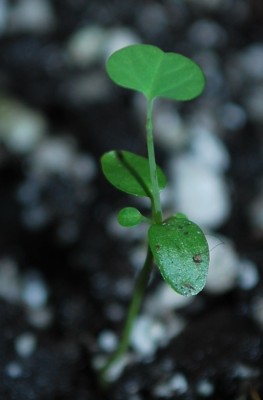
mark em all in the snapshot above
pixel 66 267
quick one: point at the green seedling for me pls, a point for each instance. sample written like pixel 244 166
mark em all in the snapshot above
pixel 177 246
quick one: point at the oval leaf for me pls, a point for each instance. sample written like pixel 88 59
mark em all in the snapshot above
pixel 154 73
pixel 129 216
pixel 130 173
pixel 181 252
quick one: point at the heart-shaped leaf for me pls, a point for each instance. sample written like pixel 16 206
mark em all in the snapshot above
pixel 130 173
pixel 154 73
pixel 181 252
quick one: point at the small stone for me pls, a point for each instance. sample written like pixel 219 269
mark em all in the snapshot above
pixel 54 155
pixel 40 318
pixel 251 61
pixel 118 38
pixel 246 371
pixel 199 192
pixel 13 370
pixel 34 293
pixel 209 149
pixel 170 131
pixel 21 128
pixel 146 335
pixel 107 341
pixel 207 33
pixel 85 46
pixel 178 383
pixel 31 16
pixel 232 116
pixel 223 267
pixel 165 299
pixel 84 168
pixel 248 276
pixel 25 344
pixel 205 388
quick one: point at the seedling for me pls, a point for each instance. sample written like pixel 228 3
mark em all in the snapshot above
pixel 176 245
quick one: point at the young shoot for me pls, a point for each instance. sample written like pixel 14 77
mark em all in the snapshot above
pixel 177 246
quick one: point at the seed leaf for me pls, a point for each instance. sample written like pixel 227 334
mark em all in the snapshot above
pixel 181 252
pixel 151 71
pixel 130 173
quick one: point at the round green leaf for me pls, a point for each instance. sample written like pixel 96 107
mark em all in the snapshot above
pixel 149 70
pixel 130 173
pixel 129 216
pixel 181 252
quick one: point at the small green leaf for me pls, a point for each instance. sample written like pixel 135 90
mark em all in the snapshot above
pixel 130 216
pixel 149 70
pixel 130 173
pixel 181 252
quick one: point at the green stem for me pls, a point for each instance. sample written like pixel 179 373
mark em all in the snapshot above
pixel 138 293
pixel 157 210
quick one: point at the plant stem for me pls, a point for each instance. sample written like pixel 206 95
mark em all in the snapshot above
pixel 157 210
pixel 140 286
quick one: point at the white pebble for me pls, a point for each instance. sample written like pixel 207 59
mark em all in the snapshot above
pixel 205 388
pixel 207 33
pixel 54 155
pixel 34 293
pixel 85 45
pixel 146 335
pixel 169 129
pixel 199 192
pixel 232 116
pixel 118 38
pixel 177 384
pixel 223 267
pixel 246 371
pixel 209 149
pixel 251 61
pixel 248 276
pixel 84 168
pixel 107 341
pixel 39 318
pixel 25 344
pixel 165 299
pixel 13 370
pixel 31 16
pixel 115 370
pixel 21 127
